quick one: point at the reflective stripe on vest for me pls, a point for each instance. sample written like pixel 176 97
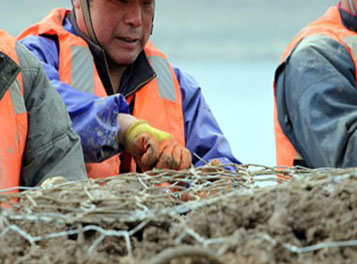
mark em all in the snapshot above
pixel 329 25
pixel 17 98
pixel 82 69
pixel 13 122
pixel 164 78
pixel 158 102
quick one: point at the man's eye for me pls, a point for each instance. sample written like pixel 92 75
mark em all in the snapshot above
pixel 148 3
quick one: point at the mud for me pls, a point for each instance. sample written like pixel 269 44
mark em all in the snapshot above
pixel 274 224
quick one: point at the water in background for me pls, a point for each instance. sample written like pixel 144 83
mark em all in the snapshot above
pixel 240 95
pixel 231 47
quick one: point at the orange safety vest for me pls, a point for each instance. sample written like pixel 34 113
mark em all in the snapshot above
pixel 158 102
pixel 13 120
pixel 330 25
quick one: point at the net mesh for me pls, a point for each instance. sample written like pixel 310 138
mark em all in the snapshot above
pixel 122 210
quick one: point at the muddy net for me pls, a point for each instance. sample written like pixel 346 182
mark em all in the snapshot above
pixel 207 215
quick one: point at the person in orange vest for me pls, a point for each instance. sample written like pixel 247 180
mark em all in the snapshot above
pixel 316 94
pixel 112 78
pixel 37 140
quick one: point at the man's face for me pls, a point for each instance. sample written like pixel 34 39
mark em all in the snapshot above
pixel 122 27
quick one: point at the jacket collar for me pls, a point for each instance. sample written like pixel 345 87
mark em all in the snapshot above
pixel 349 20
pixel 135 76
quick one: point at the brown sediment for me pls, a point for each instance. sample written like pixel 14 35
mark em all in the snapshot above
pixel 128 219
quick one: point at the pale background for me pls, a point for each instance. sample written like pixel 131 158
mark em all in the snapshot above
pixel 231 47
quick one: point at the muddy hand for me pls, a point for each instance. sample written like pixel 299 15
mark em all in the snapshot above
pixel 153 148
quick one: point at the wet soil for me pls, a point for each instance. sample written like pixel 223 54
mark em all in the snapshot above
pixel 269 225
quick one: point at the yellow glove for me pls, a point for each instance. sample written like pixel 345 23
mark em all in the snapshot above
pixel 154 148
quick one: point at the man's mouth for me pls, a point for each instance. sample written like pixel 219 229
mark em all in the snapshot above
pixel 129 40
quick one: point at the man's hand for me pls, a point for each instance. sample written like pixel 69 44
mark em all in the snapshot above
pixel 154 148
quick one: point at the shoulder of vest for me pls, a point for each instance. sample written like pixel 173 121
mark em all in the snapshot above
pixel 50 25
pixel 8 45
pixel 329 25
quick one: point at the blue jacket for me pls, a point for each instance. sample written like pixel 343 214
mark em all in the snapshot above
pixel 316 98
pixel 88 111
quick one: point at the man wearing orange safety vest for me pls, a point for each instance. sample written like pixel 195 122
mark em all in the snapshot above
pixel 316 93
pixel 37 142
pixel 112 78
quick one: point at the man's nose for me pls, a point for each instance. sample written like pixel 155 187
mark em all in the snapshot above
pixel 133 16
